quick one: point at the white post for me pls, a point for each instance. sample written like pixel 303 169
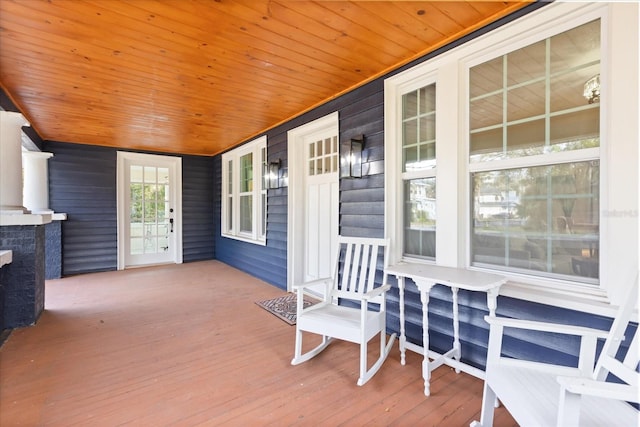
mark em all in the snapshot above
pixel 36 181
pixel 11 162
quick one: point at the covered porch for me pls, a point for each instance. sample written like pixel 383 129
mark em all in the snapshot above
pixel 132 348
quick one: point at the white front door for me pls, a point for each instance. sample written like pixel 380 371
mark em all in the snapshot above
pixel 149 209
pixel 313 200
pixel 322 193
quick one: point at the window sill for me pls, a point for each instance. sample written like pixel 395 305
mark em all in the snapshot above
pixel 261 242
pixel 595 302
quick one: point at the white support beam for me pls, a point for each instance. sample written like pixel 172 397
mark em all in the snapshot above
pixel 11 162
pixel 36 181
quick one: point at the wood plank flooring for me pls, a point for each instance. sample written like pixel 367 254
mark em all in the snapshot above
pixel 186 345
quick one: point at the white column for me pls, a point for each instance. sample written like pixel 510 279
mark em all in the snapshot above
pixel 11 162
pixel 36 181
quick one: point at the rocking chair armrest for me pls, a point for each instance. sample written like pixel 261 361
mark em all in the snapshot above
pixel 588 386
pixel 546 327
pixel 375 292
pixel 323 281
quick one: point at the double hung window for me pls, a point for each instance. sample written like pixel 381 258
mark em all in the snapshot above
pixel 534 158
pixel 243 192
pixel 537 164
pixel 418 172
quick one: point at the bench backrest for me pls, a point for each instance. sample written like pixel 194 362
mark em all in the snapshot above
pixel 621 331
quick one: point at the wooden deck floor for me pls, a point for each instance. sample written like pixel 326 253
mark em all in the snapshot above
pixel 186 345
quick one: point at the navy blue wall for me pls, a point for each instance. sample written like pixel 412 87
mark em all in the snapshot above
pixel 82 184
pixel 197 205
pixel 269 262
pixel 362 214
pixel 360 112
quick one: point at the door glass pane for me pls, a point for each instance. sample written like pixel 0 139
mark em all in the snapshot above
pixel 150 174
pixel 136 245
pixel 323 156
pixel 148 217
pixel 136 173
pixel 334 151
pixel 161 206
pixel 150 239
pixel 163 244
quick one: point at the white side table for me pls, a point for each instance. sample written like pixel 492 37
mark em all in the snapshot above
pixel 425 277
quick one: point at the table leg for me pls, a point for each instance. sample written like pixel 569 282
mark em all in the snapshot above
pixel 492 303
pixel 426 371
pixel 456 327
pixel 403 338
pixel 492 300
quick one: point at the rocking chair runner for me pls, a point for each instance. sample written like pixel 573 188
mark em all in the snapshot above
pixel 538 394
pixel 355 281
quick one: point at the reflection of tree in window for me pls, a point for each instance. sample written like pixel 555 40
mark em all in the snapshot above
pixel 540 218
pixel 420 217
pixel 526 108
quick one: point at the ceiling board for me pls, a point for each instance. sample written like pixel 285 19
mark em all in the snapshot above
pixel 201 76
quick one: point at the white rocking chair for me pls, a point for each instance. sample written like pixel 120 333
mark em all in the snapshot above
pixel 538 394
pixel 355 281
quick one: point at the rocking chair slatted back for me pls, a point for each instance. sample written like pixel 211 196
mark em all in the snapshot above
pixel 353 279
pixel 360 266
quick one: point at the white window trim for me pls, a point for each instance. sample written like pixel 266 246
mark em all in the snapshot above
pixel 619 226
pixel 257 235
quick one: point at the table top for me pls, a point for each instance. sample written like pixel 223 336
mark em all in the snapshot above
pixel 461 278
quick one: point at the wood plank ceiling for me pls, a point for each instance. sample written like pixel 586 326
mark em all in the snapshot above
pixel 201 76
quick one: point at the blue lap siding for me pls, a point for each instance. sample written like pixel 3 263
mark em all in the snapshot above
pixel 361 111
pixel 82 184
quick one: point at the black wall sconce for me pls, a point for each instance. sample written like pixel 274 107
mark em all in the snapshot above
pixel 274 176
pixel 351 157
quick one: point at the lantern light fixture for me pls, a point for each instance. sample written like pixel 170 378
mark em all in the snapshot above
pixel 351 157
pixel 274 176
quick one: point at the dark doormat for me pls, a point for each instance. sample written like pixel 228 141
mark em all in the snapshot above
pixel 284 307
